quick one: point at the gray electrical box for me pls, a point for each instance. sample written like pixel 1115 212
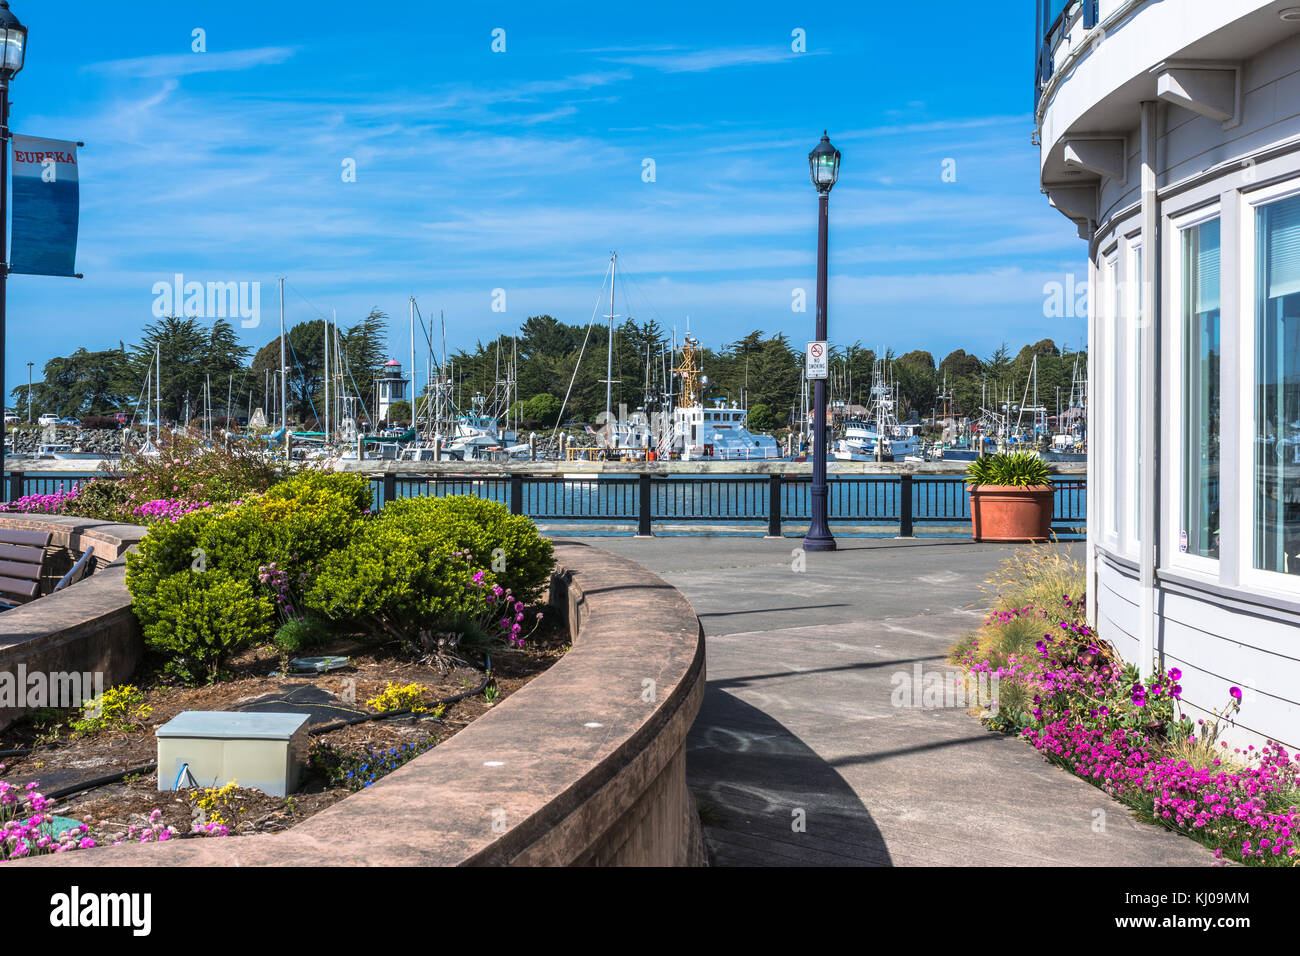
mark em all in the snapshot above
pixel 262 751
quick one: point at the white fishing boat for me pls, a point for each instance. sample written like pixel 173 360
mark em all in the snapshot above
pixel 879 436
pixel 712 434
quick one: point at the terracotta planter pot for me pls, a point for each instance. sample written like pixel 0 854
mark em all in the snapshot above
pixel 1008 513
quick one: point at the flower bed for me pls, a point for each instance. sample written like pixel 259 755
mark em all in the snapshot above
pixel 1068 693
pixel 186 475
pixel 341 761
pixel 224 593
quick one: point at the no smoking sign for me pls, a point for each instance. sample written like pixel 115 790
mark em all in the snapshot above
pixel 817 360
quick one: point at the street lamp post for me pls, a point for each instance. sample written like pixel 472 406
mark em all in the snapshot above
pixel 29 391
pixel 13 47
pixel 824 167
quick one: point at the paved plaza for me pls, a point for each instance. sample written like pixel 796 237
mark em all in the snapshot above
pixel 800 757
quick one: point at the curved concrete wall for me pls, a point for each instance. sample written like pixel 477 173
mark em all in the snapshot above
pixel 585 765
pixel 86 629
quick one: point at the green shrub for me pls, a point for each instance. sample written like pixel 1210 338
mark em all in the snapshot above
pixel 354 489
pixel 393 581
pixel 414 565
pixel 198 621
pixel 1020 469
pixel 505 546
pixel 222 551
pixel 299 635
pixel 104 499
pixel 293 526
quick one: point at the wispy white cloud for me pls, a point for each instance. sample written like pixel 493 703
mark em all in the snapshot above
pixel 183 64
pixel 702 61
pixel 934 126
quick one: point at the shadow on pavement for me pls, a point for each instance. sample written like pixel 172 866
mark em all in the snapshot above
pixel 767 799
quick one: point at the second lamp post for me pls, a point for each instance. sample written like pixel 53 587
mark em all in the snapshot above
pixel 824 167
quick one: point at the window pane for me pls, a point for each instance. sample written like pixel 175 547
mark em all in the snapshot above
pixel 1117 422
pixel 1138 345
pixel 1200 530
pixel 1277 391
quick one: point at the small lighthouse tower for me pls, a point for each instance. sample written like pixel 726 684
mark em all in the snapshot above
pixel 392 387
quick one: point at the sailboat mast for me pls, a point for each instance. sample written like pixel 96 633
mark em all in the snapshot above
pixel 609 351
pixel 327 378
pixel 414 400
pixel 157 417
pixel 284 392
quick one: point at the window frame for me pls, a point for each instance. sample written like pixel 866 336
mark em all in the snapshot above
pixel 1110 410
pixel 1174 430
pixel 1132 291
pixel 1278 583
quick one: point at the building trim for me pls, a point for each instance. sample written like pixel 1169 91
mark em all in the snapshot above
pixel 1268 607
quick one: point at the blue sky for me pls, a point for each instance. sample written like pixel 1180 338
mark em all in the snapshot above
pixel 523 170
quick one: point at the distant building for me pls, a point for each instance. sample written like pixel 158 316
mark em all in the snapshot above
pixel 1170 135
pixel 391 386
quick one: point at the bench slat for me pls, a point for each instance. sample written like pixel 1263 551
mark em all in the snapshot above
pixel 23 571
pixel 40 539
pixel 25 589
pixel 22 552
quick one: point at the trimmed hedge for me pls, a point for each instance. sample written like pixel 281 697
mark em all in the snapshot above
pixel 414 565
pixel 200 590
pixel 183 569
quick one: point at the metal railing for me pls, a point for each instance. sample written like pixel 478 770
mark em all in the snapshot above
pixel 905 501
pixel 899 503
pixel 1056 18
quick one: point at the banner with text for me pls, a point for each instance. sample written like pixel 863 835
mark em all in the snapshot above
pixel 46 207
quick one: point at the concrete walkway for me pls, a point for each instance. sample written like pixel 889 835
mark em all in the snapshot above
pixel 799 757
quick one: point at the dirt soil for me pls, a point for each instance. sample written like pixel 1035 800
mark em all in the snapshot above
pixel 65 760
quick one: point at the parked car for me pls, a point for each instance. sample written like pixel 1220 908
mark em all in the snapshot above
pixel 11 418
pixel 71 422
pixel 49 418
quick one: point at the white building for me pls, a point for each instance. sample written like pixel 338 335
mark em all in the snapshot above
pixel 1170 134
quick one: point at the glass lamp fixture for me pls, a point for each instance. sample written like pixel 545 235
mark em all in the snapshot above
pixel 13 42
pixel 824 165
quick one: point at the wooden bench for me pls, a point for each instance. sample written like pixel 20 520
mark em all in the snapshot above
pixel 22 563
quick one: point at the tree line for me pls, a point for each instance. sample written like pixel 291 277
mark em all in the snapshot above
pixel 561 372
pixel 192 354
pixel 759 371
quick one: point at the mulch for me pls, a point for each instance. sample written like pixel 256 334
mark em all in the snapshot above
pixel 112 810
